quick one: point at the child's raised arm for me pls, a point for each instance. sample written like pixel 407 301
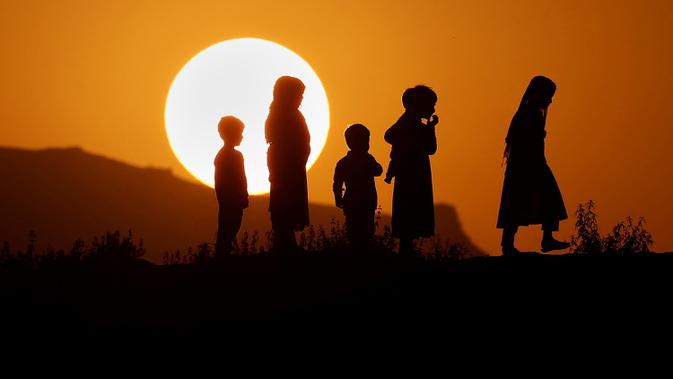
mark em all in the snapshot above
pixel 429 139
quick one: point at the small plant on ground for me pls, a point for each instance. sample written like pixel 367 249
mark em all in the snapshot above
pixel 625 237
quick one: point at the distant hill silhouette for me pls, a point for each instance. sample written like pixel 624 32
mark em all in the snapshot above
pixel 66 193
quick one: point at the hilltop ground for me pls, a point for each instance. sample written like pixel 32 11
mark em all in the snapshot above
pixel 136 297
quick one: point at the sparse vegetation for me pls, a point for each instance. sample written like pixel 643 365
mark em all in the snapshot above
pixel 111 246
pixel 446 250
pixel 102 288
pixel 625 237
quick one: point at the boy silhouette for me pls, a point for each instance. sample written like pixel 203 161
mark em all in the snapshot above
pixel 357 171
pixel 413 141
pixel 231 186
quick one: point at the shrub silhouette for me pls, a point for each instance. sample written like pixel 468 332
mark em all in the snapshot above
pixel 111 246
pixel 587 239
pixel 446 250
pixel 625 237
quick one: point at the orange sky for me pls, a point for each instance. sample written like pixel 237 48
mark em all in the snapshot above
pixel 96 74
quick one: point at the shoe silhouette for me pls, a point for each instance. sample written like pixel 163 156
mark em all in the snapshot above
pixel 554 245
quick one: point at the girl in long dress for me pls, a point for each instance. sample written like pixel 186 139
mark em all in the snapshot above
pixel 412 144
pixel 530 194
pixel 289 148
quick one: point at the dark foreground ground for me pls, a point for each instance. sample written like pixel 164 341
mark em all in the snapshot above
pixel 134 297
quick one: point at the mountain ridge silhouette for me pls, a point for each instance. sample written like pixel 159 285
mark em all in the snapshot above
pixel 64 194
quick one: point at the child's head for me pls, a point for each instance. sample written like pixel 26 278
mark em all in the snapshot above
pixel 231 130
pixel 288 91
pixel 357 138
pixel 420 100
pixel 540 91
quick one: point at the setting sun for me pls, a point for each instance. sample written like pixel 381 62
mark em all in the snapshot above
pixel 236 77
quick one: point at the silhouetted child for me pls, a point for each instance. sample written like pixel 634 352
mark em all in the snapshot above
pixel 357 171
pixel 289 148
pixel 408 102
pixel 413 141
pixel 231 186
pixel 530 193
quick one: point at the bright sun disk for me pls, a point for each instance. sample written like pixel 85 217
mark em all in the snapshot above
pixel 236 77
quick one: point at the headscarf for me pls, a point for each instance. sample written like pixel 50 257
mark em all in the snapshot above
pixel 538 86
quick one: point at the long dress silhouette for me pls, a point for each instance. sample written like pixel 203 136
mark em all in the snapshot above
pixel 289 148
pixel 413 142
pixel 530 194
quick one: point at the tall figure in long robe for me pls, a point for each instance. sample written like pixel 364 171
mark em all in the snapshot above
pixel 412 143
pixel 530 194
pixel 289 148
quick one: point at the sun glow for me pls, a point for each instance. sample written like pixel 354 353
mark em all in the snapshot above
pixel 236 77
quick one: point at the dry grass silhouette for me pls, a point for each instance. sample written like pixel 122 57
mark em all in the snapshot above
pixel 625 238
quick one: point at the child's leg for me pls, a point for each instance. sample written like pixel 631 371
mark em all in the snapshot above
pixel 548 228
pixel 550 243
pixel 283 239
pixel 229 222
pixel 370 226
pixel 222 232
pixel 508 234
pixel 360 228
pixel 351 227
pixel 354 229
pixel 283 234
pixel 406 246
pixel 221 243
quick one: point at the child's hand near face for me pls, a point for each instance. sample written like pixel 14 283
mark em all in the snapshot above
pixel 433 120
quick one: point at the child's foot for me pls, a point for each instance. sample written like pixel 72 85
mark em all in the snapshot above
pixel 553 244
pixel 510 251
